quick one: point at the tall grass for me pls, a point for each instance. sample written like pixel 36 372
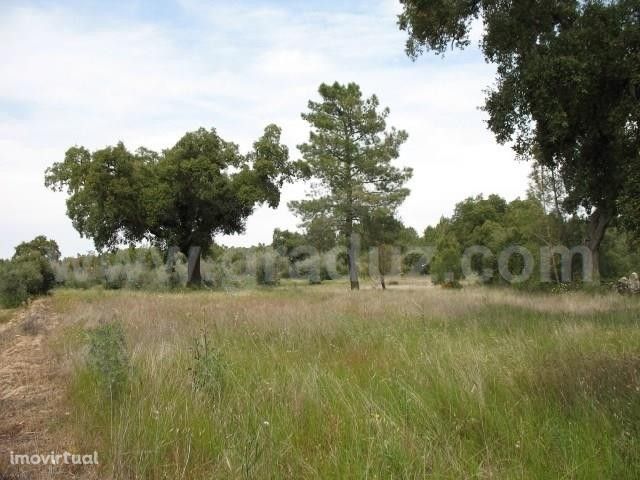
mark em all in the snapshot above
pixel 322 383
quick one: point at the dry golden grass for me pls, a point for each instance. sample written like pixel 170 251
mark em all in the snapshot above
pixel 320 382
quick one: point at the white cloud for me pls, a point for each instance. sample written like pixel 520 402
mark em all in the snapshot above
pixel 67 81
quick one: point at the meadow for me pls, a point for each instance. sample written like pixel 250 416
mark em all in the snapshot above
pixel 320 382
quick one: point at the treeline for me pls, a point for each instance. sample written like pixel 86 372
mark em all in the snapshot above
pixel 489 227
pixel 484 226
pixel 203 186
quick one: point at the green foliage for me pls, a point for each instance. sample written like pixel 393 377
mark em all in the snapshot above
pixel 17 282
pixel 200 187
pixel 266 268
pixel 566 92
pixel 207 369
pixel 381 231
pixel 107 358
pixel 445 267
pixel 495 224
pixel 47 248
pixel 485 222
pixel 29 272
pixel 349 153
pixel 311 268
pixel 290 244
pixel 620 256
pixel 320 233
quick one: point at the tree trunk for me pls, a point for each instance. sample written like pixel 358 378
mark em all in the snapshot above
pixel 382 266
pixel 598 223
pixel 194 278
pixel 352 255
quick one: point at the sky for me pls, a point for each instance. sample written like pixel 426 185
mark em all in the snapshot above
pixel 145 72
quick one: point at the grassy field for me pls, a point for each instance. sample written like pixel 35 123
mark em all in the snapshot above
pixel 322 383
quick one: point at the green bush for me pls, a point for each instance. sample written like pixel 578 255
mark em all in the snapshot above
pixel 310 268
pixel 107 359
pixel 25 276
pixel 266 269
pixel 446 268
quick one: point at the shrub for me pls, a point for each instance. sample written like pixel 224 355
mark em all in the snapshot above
pixel 115 277
pixel 310 268
pixel 107 359
pixel 23 277
pixel 446 268
pixel 266 271
pixel 214 275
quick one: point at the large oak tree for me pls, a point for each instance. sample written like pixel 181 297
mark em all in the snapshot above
pixel 181 197
pixel 566 90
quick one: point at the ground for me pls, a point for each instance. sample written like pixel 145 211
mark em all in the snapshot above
pixel 320 382
pixel 32 383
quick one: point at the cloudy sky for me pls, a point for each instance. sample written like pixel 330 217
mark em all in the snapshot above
pixel 144 72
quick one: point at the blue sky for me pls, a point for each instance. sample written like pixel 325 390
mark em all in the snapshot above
pixel 145 72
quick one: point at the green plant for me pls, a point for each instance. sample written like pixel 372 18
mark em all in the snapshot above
pixel 266 271
pixel 207 370
pixel 108 359
pixel 23 277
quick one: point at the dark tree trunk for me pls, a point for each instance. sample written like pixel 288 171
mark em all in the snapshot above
pixel 598 223
pixel 382 266
pixel 194 278
pixel 354 247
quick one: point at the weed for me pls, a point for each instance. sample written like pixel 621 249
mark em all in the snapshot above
pixel 108 359
pixel 207 368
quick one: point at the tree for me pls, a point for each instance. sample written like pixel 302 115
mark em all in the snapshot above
pixel 180 198
pixel 289 244
pixel 321 233
pixel 42 245
pixel 490 223
pixel 546 187
pixel 29 272
pixel 566 91
pixel 349 153
pixel 381 230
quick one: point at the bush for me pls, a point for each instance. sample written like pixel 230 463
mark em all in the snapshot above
pixel 266 271
pixel 115 277
pixel 310 268
pixel 23 277
pixel 107 359
pixel 446 268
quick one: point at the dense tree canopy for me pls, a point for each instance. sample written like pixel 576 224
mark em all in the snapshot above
pixel 181 197
pixel 29 272
pixel 566 89
pixel 47 248
pixel 349 154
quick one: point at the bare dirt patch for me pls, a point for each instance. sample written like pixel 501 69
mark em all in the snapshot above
pixel 31 395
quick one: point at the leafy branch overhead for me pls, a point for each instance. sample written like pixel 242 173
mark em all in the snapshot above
pixel 566 93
